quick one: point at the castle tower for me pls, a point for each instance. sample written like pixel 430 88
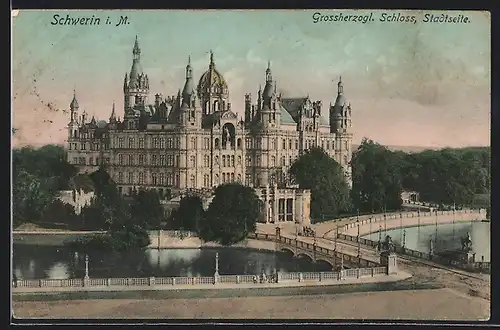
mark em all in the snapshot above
pixel 190 114
pixel 270 109
pixel 341 124
pixel 73 123
pixel 213 92
pixel 135 84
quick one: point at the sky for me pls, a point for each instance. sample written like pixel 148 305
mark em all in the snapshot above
pixel 423 84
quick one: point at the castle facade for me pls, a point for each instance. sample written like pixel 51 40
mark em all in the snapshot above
pixel 194 141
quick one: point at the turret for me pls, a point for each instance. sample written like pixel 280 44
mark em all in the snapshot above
pixel 73 122
pixel 340 112
pixel 112 118
pixel 190 113
pixel 136 84
pixel 248 108
pixel 270 110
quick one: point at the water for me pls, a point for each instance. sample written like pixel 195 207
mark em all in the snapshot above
pixel 52 262
pixel 448 237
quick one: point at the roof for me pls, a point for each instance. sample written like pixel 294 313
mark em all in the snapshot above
pixel 286 118
pixel 293 107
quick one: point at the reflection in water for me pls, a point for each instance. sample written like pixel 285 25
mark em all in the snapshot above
pixel 445 237
pixel 35 262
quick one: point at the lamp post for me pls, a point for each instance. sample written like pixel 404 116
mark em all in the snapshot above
pixel 404 238
pixel 216 264
pixel 86 267
pixel 359 243
pixel 453 238
pixel 379 236
pixel 385 223
pixel 435 239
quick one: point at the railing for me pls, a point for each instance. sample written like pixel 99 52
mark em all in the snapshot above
pixel 225 279
pixel 392 216
pixel 473 267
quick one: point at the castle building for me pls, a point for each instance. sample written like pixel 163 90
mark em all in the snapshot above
pixel 194 140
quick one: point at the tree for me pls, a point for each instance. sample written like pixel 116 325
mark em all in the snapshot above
pixel 58 211
pixel 146 210
pixel 319 172
pixel 231 216
pixel 189 214
pixel 377 180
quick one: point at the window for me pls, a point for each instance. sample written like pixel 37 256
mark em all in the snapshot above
pixel 248 179
pixel 82 145
pixel 155 143
pixel 239 160
pixel 216 143
pixel 141 143
pixel 248 142
pixel 224 161
pixel 153 179
pixel 177 180
pixel 91 161
pixel 169 143
pixel 257 162
pixel 75 160
pixel 273 161
pixel 283 161
pixel 153 160
pixel 141 159
pixel 120 159
pixel 193 180
pixel 162 143
pixel 238 143
pixel 327 145
pixel 131 143
pixel 232 161
pixel 232 177
pixel 193 143
pixel 296 144
pixel 169 179
pixel 130 177
pixel 170 160
pixel 284 144
pixel 223 177
pixel 131 159
pixel 290 144
pixel 120 143
pixel 120 177
pixel 192 160
pixel 290 160
pixel 273 144
pixel 248 161
pixel 162 179
pixel 206 180
pixel 177 161
pixel 162 160
pixel 141 178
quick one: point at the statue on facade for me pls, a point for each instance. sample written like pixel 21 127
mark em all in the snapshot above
pixel 466 243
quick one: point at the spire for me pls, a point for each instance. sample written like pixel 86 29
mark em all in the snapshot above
pixel 212 63
pixel 113 113
pixel 189 69
pixel 340 88
pixel 188 89
pixel 74 103
pixel 269 77
pixel 137 50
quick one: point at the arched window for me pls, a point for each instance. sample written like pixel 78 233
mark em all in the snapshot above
pixel 131 159
pixel 223 161
pixel 154 179
pixel 232 161
pixel 193 181
pixel 193 161
pixel 162 179
pixel 120 159
pixel 141 178
pixel 217 143
pixel 120 177
pixel 273 161
pixel 238 143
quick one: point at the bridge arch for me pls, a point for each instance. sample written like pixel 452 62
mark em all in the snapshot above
pixel 304 254
pixel 287 250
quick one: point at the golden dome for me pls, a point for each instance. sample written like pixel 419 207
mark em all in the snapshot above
pixel 212 82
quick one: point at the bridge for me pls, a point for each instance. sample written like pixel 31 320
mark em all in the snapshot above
pixel 338 255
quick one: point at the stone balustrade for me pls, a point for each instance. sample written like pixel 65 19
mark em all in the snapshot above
pixel 222 279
